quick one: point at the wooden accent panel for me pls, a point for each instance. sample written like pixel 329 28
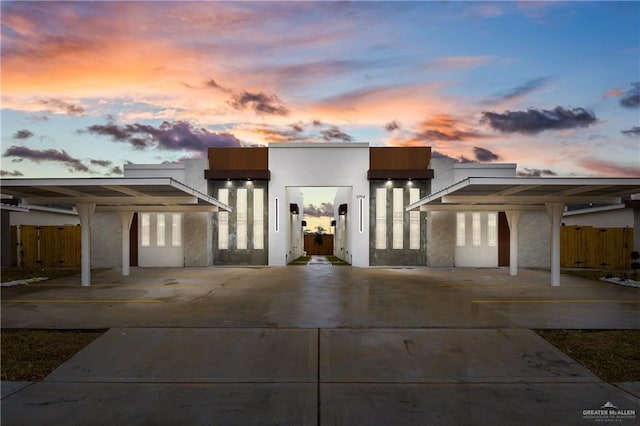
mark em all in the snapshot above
pixel 417 174
pixel 400 158
pixel 237 174
pixel 504 241
pixel 238 158
pixel 589 247
pixel 312 246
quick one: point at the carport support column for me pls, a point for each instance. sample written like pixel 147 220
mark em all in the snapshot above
pixel 125 219
pixel 555 211
pixel 85 211
pixel 513 218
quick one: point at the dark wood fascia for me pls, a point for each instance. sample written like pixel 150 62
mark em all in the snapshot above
pixel 404 174
pixel 237 174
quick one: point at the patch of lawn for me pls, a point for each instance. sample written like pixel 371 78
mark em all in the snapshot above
pixel 302 260
pixel 30 355
pixel 336 261
pixel 13 273
pixel 612 355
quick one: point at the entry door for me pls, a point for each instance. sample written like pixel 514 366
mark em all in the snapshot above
pixel 503 240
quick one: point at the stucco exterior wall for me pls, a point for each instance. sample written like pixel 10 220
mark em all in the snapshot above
pixel 43 218
pixel 618 218
pixel 175 171
pixel 441 234
pixel 333 165
pixel 462 171
pixel 340 239
pixel 296 239
pixel 534 240
pixel 106 240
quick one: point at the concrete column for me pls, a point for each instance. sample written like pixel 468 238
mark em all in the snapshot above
pixel 125 219
pixel 513 218
pixel 85 211
pixel 555 211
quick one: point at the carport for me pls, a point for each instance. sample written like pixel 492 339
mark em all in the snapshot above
pixel 514 195
pixel 122 195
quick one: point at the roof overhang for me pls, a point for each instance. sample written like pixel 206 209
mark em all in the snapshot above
pixel 113 194
pixel 500 194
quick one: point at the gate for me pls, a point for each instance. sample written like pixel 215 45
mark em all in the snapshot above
pixel 601 248
pixel 47 245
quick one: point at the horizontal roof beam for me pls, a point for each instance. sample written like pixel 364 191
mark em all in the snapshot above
pixel 112 200
pixel 515 199
pixel 480 207
pixel 152 208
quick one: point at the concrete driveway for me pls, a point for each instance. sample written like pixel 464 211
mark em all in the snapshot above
pixel 319 344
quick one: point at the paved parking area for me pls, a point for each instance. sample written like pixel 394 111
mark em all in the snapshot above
pixel 318 344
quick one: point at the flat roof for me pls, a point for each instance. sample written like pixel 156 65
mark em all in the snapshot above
pixel 486 193
pixel 138 194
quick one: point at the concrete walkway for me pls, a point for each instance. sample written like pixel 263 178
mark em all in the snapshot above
pixel 318 345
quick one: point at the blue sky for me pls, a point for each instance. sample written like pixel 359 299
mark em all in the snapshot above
pixel 89 86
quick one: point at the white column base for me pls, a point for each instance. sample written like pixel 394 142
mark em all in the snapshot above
pixel 555 211
pixel 85 212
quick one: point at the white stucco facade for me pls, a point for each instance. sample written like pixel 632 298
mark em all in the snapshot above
pixel 329 165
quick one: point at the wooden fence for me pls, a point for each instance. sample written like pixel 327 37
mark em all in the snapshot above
pixel 46 245
pixel 318 244
pixel 601 248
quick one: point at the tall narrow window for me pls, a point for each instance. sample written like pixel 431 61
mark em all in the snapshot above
pixel 381 218
pixel 397 218
pixel 241 218
pixel 492 229
pixel 223 221
pixel 160 230
pixel 176 230
pixel 276 216
pixel 145 229
pixel 258 218
pixel 475 229
pixel 414 220
pixel 460 229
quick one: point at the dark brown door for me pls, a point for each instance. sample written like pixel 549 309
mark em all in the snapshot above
pixel 133 241
pixel 503 240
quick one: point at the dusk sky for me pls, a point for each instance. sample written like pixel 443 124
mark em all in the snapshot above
pixel 89 86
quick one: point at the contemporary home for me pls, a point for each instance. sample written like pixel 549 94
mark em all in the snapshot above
pixel 395 206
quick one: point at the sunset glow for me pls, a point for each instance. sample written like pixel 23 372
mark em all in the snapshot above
pixel 90 86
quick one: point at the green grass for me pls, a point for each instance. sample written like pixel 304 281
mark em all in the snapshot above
pixel 30 355
pixel 336 261
pixel 302 260
pixel 612 355
pixel 13 273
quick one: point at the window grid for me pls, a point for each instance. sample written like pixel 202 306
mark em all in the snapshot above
pixel 241 218
pixel 381 218
pixel 223 221
pixel 476 236
pixel 398 218
pixel 160 229
pixel 460 230
pixel 258 218
pixel 176 230
pixel 414 221
pixel 492 229
pixel 145 230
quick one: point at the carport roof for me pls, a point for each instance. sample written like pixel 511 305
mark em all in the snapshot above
pixel 139 194
pixel 488 193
